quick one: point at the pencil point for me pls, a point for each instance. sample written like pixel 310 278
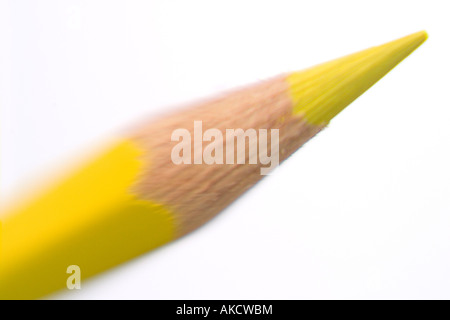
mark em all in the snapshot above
pixel 321 92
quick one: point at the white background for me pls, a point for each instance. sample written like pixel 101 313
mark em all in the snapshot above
pixel 361 211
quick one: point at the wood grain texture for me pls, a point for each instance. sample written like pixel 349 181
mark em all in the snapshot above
pixel 197 192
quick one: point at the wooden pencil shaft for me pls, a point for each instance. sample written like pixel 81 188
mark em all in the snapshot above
pixel 132 196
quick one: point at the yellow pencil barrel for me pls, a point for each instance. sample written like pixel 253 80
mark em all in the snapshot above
pixel 131 197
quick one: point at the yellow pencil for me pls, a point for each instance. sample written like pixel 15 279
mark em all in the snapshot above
pixel 173 173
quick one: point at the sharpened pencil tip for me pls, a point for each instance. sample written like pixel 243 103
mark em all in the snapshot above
pixel 321 92
pixel 423 34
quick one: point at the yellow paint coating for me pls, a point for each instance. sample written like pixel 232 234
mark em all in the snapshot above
pixel 320 93
pixel 91 219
